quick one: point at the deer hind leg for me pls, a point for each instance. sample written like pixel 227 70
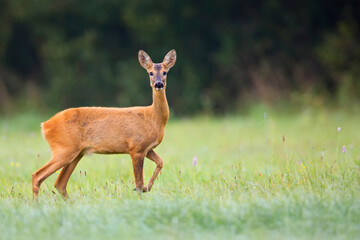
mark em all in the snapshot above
pixel 138 165
pixel 65 173
pixel 159 164
pixel 58 160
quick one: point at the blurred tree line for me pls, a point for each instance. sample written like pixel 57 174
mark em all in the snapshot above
pixel 62 53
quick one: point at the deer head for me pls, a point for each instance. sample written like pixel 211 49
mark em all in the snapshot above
pixel 157 71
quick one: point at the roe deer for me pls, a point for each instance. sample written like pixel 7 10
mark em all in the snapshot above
pixel 135 130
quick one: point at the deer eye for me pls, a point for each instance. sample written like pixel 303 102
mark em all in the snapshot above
pixel 151 73
pixel 164 73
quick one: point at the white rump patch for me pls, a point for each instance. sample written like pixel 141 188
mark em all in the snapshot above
pixel 42 130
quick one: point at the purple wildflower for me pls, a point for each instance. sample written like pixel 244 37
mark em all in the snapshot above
pixel 195 159
pixel 344 149
pixel 339 129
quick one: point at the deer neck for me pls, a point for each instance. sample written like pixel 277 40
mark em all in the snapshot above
pixel 160 106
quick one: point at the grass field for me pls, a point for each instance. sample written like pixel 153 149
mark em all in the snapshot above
pixel 258 175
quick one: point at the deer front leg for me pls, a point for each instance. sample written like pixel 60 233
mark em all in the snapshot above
pixel 159 164
pixel 138 164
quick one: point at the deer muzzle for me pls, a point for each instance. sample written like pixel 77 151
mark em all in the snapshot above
pixel 159 86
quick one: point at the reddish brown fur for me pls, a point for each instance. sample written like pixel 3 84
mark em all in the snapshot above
pixel 136 131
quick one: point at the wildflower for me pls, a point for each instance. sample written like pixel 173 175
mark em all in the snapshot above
pixel 300 161
pixel 195 159
pixel 12 164
pixel 344 149
pixel 221 171
pixel 57 171
pixel 243 170
pixel 339 129
pixel 17 164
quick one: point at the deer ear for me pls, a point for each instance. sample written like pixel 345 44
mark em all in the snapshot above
pixel 145 60
pixel 170 59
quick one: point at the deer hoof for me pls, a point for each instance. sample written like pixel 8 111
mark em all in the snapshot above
pixel 145 189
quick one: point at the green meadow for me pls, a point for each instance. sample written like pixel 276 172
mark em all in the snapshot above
pixel 259 175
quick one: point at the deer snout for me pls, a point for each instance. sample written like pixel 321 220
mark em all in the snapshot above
pixel 159 85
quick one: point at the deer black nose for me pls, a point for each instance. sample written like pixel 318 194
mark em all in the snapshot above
pixel 159 85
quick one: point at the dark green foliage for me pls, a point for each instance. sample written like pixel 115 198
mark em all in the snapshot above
pixel 74 53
